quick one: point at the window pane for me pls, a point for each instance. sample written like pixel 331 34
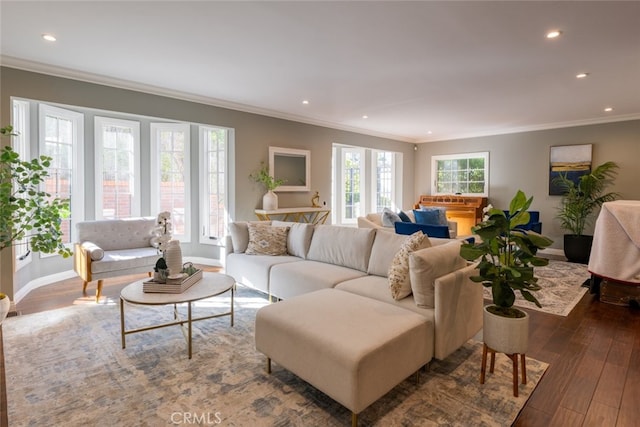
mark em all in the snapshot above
pixel 464 174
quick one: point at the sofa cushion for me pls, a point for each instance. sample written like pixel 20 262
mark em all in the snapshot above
pixel 377 287
pixel 267 240
pixel 426 265
pixel 289 280
pixel 399 281
pixel 253 270
pixel 344 246
pixel 239 232
pixel 299 238
pixel 125 259
pixel 116 234
pixel 431 216
pixel 384 249
pixel 389 217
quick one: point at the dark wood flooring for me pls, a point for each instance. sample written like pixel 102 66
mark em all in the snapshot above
pixel 593 354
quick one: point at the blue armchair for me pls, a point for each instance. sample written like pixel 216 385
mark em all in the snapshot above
pixel 441 231
pixel 534 223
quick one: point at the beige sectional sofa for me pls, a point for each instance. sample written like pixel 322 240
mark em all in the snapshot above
pixel 357 260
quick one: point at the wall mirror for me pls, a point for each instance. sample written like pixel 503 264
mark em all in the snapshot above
pixel 292 165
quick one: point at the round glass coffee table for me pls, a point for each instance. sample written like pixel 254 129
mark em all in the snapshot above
pixel 211 285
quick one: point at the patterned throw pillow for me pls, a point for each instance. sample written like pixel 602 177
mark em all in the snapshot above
pixel 399 279
pixel 267 240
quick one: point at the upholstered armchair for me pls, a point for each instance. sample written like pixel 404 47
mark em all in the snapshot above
pixel 534 223
pixel 110 248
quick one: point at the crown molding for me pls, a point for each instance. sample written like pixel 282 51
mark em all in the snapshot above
pixel 52 70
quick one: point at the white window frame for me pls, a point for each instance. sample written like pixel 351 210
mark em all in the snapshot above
pixel 205 190
pixel 101 122
pixel 77 162
pixel 396 184
pixel 156 128
pixel 478 155
pixel 20 143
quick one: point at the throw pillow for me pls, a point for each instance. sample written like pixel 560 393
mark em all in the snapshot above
pixel 267 240
pixel 427 265
pixel 240 235
pixel 299 238
pixel 399 280
pixel 95 252
pixel 404 217
pixel 389 217
pixel 431 216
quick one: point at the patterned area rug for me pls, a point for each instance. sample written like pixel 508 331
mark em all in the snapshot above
pixel 67 367
pixel 561 284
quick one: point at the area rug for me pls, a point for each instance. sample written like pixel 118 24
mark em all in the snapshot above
pixel 561 284
pixel 67 367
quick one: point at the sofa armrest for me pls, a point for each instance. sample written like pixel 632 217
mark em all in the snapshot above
pixel 82 262
pixel 228 245
pixel 458 310
pixel 363 222
pixel 453 229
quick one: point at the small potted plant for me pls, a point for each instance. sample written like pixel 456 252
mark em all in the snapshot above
pixel 579 201
pixel 507 256
pixel 262 176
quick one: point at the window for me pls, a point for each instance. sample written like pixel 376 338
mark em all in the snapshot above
pixel 117 168
pixel 365 180
pixel 20 142
pixel 214 161
pixel 170 176
pixel 61 138
pixel 465 174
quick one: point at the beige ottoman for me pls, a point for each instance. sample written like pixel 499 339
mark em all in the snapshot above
pixel 353 348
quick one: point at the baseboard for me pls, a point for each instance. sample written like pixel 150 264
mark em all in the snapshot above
pixel 70 274
pixel 552 253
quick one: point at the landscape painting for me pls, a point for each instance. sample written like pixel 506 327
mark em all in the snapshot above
pixel 570 160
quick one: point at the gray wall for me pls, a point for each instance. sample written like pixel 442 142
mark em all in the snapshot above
pixel 253 135
pixel 521 161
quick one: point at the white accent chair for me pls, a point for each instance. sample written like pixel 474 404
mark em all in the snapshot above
pixel 110 248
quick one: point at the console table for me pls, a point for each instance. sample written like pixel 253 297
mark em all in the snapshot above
pixel 465 210
pixel 309 214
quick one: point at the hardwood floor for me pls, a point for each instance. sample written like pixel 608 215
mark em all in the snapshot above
pixel 593 354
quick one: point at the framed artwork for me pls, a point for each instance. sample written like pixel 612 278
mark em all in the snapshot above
pixel 570 160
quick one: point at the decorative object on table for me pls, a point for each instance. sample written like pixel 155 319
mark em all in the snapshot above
pixel 262 176
pixel 160 271
pixel 5 305
pixel 162 231
pixel 173 286
pixel 315 200
pixel 579 202
pixel 27 213
pixel 189 268
pixel 173 257
pixel 507 257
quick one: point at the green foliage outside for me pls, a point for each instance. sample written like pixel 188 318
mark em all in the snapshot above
pixel 26 210
pixel 507 255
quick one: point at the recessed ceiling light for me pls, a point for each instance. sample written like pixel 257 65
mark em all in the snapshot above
pixel 429 132
pixel 608 109
pixel 365 117
pixel 554 34
pixel 305 102
pixel 49 37
pixel 581 75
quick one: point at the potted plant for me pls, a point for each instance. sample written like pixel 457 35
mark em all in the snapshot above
pixel 262 176
pixel 507 257
pixel 579 201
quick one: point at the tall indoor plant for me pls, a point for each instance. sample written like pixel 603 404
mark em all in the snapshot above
pixel 262 176
pixel 507 256
pixel 579 201
pixel 26 211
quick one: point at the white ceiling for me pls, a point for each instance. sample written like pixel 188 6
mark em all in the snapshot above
pixel 455 69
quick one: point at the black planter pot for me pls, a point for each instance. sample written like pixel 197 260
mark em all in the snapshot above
pixel 577 248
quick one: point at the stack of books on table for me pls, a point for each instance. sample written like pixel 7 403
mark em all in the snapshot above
pixel 172 286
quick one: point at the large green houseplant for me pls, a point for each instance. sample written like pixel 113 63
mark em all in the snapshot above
pixel 579 202
pixel 27 211
pixel 507 255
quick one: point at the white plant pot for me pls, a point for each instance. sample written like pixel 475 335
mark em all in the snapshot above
pixel 270 201
pixel 173 257
pixel 504 334
pixel 5 305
